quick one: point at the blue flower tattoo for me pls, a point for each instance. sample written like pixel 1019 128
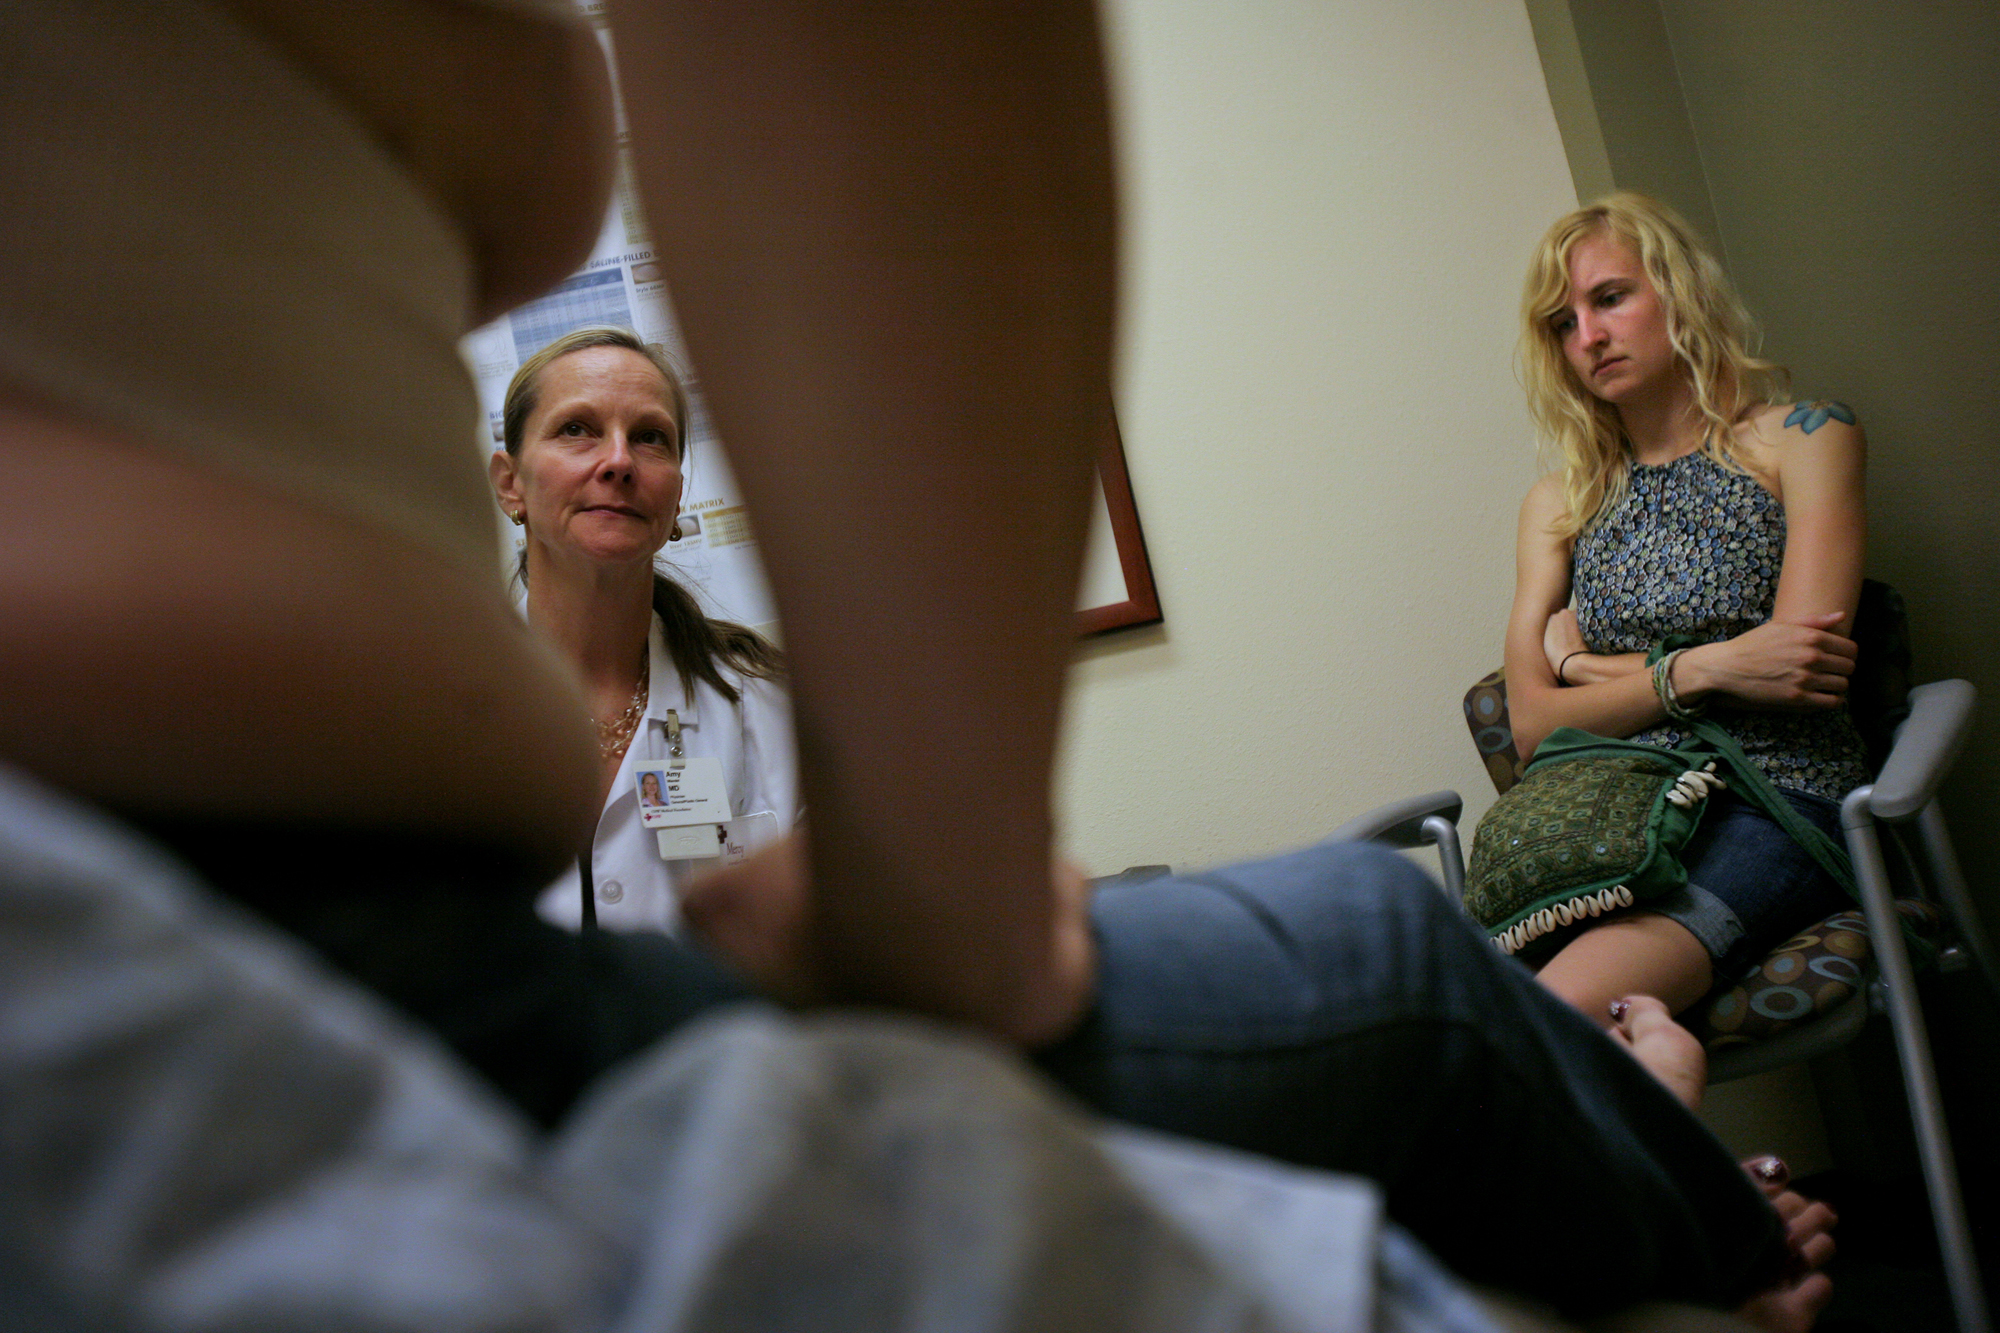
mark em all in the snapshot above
pixel 1809 417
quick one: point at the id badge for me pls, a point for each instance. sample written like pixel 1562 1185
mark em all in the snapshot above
pixel 746 833
pixel 691 842
pixel 671 797
pixel 730 841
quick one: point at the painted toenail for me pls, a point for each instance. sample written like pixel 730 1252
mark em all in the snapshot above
pixel 1618 1008
pixel 1771 1170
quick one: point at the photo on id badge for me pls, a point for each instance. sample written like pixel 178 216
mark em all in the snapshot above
pixel 674 795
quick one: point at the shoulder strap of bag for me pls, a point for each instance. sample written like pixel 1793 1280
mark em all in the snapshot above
pixel 1753 786
pixel 1566 743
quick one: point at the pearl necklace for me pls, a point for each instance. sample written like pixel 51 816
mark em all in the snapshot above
pixel 614 735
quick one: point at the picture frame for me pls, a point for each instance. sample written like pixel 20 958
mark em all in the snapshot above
pixel 1118 589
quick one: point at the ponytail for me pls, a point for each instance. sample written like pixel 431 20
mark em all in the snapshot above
pixel 701 646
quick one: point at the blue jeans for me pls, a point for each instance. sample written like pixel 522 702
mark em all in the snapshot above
pixel 1330 1008
pixel 1326 1008
pixel 1750 885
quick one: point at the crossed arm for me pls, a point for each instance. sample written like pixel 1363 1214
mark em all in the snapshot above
pixel 1800 659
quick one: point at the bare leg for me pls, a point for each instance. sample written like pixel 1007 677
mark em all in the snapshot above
pixel 1630 977
pixel 1642 1025
pixel 888 230
pixel 1641 954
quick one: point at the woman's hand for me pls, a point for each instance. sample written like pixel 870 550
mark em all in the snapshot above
pixel 1802 667
pixel 759 916
pixel 1560 640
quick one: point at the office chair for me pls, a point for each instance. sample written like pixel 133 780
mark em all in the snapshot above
pixel 1860 956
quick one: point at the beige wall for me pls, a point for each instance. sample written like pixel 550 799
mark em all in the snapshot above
pixel 1330 203
pixel 1618 102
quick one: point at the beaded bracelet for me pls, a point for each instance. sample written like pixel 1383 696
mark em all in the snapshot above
pixel 1663 686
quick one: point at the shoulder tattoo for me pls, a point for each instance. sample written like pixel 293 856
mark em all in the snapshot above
pixel 1809 417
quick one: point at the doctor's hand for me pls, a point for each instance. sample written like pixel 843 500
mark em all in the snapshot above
pixel 758 915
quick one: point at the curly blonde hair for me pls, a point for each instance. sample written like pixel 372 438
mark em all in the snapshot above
pixel 1710 330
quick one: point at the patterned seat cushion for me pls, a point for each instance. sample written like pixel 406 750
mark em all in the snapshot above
pixel 1813 972
pixel 1492 730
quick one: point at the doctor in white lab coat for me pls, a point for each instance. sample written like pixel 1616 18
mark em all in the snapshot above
pixel 594 429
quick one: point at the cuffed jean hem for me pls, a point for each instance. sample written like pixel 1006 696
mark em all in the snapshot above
pixel 1705 916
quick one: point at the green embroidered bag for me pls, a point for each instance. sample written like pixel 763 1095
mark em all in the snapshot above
pixel 1597 825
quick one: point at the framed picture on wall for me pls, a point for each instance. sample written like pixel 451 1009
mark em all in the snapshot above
pixel 1118 591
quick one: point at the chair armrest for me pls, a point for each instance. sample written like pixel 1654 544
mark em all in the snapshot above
pixel 1131 875
pixel 1400 823
pixel 1926 745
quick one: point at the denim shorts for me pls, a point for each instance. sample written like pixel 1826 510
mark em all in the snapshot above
pixel 1750 885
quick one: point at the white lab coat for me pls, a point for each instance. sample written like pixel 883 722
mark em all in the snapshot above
pixel 636 890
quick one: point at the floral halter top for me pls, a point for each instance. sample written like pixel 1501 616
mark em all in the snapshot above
pixel 1694 548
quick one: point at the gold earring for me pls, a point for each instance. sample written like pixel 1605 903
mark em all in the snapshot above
pixel 520 517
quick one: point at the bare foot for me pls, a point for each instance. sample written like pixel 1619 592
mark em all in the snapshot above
pixel 1668 1051
pixel 1809 1223
pixel 1792 1308
pixel 1794 1304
